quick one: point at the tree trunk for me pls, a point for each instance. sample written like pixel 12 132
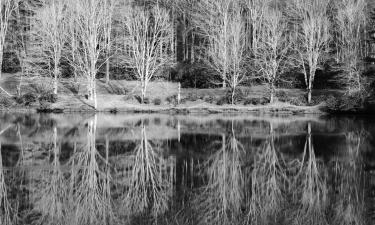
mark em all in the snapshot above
pixel 55 81
pixel 309 88
pixel 233 93
pixel 179 94
pixel 95 98
pixel 272 97
pixel 89 89
pixel 107 71
pixel 1 63
pixel 309 95
pixel 143 92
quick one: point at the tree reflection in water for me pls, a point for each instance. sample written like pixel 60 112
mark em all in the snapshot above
pixel 150 185
pixel 349 206
pixel 219 201
pixel 51 199
pixel 278 174
pixel 311 189
pixel 267 174
pixel 7 215
pixel 91 196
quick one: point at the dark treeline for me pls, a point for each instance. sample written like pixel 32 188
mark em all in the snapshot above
pixel 200 43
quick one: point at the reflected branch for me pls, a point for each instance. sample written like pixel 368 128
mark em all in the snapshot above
pixel 313 189
pixel 7 215
pixel 150 185
pixel 220 200
pixel 92 202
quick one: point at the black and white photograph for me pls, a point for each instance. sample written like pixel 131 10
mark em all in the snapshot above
pixel 187 112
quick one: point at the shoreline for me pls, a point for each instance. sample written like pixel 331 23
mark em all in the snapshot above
pixel 276 108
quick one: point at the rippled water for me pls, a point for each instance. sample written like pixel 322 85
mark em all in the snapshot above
pixel 199 169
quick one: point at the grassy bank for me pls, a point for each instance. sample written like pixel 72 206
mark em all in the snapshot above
pixel 121 96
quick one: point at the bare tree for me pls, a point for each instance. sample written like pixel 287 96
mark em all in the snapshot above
pixel 147 42
pixel 72 37
pixel 90 21
pixel 312 187
pixel 151 179
pixel 5 206
pixel 236 52
pixel 212 17
pixel 109 13
pixel 6 10
pixel 20 39
pixel 351 21
pixel 219 201
pixel 272 48
pixel 312 37
pixel 91 202
pixel 221 23
pixel 49 31
pixel 255 16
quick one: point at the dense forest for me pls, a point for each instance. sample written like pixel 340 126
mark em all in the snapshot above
pixel 301 44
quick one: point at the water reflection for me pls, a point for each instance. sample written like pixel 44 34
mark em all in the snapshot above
pixel 149 185
pixel 267 174
pixel 160 169
pixel 220 199
pixel 6 216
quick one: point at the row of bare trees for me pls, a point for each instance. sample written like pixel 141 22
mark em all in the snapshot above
pixel 274 37
pixel 238 39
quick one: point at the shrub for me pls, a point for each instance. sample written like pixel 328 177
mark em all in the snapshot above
pixel 191 97
pixel 146 101
pixel 238 96
pixel 282 96
pixel 129 98
pixel 11 63
pixel 157 101
pixel 194 75
pixel 48 97
pixel 252 101
pixel 346 103
pixel 332 103
pixel 209 99
pixel 40 87
pixel 351 102
pixel 256 101
pixel 26 99
pixel 264 100
pixel 139 99
pixel 298 101
pixel 221 101
pixel 5 102
pixel 114 110
pixel 44 106
pixel 172 99
pixel 319 99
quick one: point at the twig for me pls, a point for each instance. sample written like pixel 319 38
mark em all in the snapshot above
pixel 2 89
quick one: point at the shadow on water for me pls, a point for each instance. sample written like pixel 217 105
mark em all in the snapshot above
pixel 206 169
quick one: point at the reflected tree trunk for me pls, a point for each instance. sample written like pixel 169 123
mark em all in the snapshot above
pixel 5 207
pixel 92 192
pixel 220 200
pixel 349 178
pixel 150 184
pixel 313 188
pixel 267 183
pixel 51 199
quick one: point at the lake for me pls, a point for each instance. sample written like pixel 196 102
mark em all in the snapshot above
pixel 73 169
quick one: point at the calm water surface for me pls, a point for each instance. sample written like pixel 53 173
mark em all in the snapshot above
pixel 201 169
